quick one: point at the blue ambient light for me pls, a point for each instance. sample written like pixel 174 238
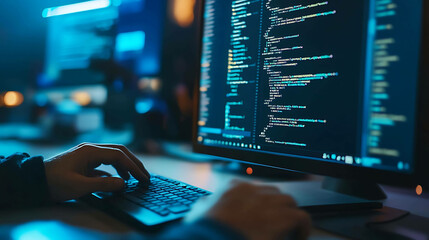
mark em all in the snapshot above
pixel 75 8
pixel 130 41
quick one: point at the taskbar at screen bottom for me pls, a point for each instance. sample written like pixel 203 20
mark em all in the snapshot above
pixel 359 161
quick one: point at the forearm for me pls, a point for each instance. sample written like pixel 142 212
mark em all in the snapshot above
pixel 205 229
pixel 22 181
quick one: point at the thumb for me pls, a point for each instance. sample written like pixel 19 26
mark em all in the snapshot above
pixel 104 184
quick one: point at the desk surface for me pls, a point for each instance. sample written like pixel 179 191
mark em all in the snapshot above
pixel 77 219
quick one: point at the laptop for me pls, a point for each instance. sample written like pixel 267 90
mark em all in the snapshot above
pixel 148 205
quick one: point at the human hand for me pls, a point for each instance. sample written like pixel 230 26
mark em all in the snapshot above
pixel 73 174
pixel 259 212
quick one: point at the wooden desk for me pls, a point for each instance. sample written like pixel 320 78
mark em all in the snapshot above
pixel 77 219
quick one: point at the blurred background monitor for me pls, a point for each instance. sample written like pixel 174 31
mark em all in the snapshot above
pixel 101 64
pixel 73 40
pixel 128 32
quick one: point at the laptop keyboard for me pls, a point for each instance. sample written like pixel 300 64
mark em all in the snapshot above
pixel 163 195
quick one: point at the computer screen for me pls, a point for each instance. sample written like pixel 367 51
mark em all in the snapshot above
pixel 128 32
pixel 73 40
pixel 333 81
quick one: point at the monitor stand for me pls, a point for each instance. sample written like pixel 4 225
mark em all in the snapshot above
pixel 332 195
pixel 328 195
pixel 350 204
pixel 361 189
pixel 327 198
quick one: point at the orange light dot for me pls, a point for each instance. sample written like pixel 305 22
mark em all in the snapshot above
pixel 249 171
pixel 13 99
pixel 419 190
pixel 82 98
pixel 183 12
pixel 155 84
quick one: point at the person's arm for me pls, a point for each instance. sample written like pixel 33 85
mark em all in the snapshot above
pixel 31 181
pixel 244 211
pixel 22 181
pixel 74 174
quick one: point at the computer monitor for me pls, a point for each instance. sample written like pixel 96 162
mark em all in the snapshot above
pixel 74 39
pixel 128 32
pixel 336 88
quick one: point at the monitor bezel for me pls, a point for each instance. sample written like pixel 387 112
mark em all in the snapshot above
pixel 419 176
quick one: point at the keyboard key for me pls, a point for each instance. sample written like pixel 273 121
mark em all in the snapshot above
pixel 156 208
pixel 162 212
pixel 179 209
pixel 133 199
